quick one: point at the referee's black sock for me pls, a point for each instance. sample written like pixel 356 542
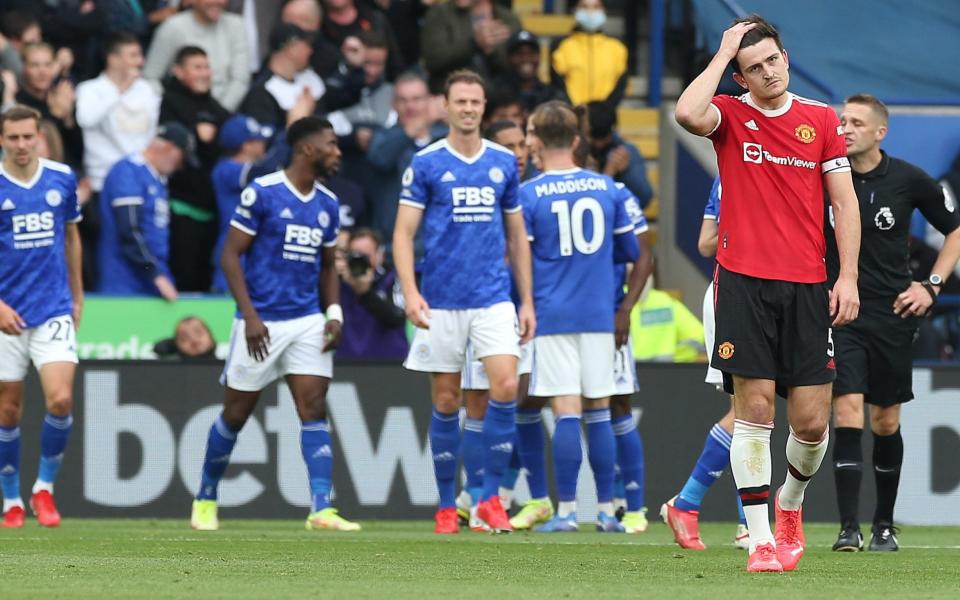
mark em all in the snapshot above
pixel 847 472
pixel 887 460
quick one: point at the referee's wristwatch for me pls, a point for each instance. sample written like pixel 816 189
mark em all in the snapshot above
pixel 929 283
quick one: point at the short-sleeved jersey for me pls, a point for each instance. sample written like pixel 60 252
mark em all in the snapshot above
pixel 640 225
pixel 772 163
pixel 33 218
pixel 463 200
pixel 888 196
pixel 133 183
pixel 282 268
pixel 712 210
pixel 572 217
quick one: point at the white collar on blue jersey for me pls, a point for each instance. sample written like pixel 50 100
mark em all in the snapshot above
pixel 569 171
pixel 24 184
pixel 468 160
pixel 776 112
pixel 295 191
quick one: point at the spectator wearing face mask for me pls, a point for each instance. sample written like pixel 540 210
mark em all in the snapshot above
pixel 589 65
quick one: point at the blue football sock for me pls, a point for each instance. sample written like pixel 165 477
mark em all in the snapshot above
pixel 742 517
pixel 602 451
pixel 713 460
pixel 318 454
pixel 630 460
pixel 10 462
pixel 473 456
pixel 567 456
pixel 445 447
pixel 220 444
pixel 619 490
pixel 499 432
pixel 53 442
pixel 530 450
pixel 509 479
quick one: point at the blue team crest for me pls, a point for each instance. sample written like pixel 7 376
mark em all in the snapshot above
pixel 407 178
pixel 496 175
pixel 323 218
pixel 54 198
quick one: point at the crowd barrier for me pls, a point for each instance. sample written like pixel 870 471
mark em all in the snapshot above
pixel 141 427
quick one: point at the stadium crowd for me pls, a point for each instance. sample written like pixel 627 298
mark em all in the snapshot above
pixel 182 103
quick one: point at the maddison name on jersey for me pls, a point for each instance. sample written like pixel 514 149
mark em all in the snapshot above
pixel 570 186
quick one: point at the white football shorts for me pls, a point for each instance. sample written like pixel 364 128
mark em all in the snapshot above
pixel 53 341
pixel 296 348
pixel 474 376
pixel 491 331
pixel 625 370
pixel 571 364
pixel 714 377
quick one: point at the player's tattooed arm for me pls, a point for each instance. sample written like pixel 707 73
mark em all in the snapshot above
pixel 330 296
pixel 408 220
pixel 258 337
pixel 74 253
pixel 518 246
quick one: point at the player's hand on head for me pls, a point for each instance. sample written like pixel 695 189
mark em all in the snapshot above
pixel 332 331
pixel 844 301
pixel 418 311
pixel 258 338
pixel 914 301
pixel 730 43
pixel 527 319
pixel 621 327
pixel 166 288
pixel 10 321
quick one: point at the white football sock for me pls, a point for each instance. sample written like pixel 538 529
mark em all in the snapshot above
pixel 750 464
pixel 803 460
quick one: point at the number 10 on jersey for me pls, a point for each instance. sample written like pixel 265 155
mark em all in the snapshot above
pixel 570 224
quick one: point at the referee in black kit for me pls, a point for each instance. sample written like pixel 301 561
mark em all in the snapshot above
pixel 873 354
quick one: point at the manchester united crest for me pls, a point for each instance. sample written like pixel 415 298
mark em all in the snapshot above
pixel 805 133
pixel 725 350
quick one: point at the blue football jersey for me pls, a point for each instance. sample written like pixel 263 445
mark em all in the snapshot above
pixel 462 229
pixel 228 181
pixel 572 217
pixel 712 209
pixel 640 225
pixel 138 191
pixel 290 230
pixel 33 265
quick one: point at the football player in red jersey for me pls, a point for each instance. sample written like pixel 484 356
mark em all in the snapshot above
pixel 777 152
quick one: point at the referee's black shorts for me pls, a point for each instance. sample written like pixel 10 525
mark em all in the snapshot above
pixel 874 355
pixel 772 329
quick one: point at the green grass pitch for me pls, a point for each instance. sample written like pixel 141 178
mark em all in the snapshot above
pixel 394 560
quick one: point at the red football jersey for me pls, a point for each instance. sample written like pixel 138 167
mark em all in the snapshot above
pixel 772 164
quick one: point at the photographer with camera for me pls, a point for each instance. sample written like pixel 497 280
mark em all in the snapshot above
pixel 374 319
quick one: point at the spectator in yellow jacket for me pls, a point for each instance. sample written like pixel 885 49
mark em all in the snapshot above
pixel 588 64
pixel 663 329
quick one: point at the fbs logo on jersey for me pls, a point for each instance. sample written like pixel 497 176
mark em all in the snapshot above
pixel 33 230
pixel 725 350
pixel 884 219
pixel 300 243
pixel 473 204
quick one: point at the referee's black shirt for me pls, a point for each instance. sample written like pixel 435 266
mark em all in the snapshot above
pixel 887 196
